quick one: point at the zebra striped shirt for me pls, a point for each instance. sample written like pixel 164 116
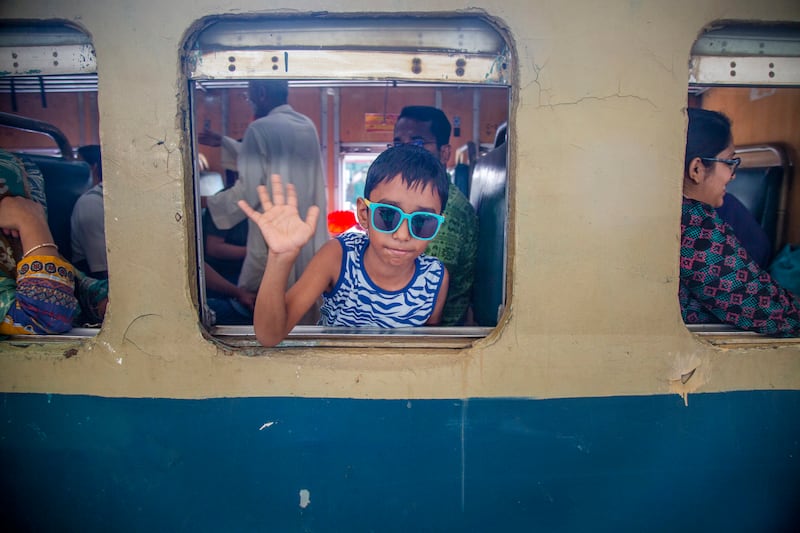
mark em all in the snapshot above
pixel 355 301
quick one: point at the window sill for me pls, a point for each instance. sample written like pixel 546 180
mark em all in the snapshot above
pixel 75 334
pixel 318 336
pixel 729 336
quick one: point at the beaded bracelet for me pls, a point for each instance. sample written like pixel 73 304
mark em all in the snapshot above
pixel 43 245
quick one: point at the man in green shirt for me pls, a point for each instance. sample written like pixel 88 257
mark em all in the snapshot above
pixel 456 244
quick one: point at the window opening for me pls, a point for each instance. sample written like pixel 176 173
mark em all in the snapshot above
pixel 351 77
pixel 751 73
pixel 48 112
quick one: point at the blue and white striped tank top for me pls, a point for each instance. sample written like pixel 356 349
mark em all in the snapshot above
pixel 355 301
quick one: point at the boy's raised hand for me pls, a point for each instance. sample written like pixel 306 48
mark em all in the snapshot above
pixel 280 223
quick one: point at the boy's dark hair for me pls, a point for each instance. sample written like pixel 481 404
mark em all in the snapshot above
pixel 708 134
pixel 440 126
pixel 417 167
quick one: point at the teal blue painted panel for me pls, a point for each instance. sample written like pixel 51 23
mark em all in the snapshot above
pixel 728 462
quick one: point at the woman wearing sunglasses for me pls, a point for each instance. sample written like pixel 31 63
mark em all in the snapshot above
pixel 719 282
pixel 379 278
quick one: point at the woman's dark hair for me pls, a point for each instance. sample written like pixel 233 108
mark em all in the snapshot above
pixel 416 166
pixel 709 134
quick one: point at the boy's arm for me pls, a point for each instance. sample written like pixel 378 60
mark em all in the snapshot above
pixel 270 314
pixel 436 316
pixel 320 275
pixel 285 234
pixel 277 312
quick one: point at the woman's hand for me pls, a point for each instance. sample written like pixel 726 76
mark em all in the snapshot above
pixel 280 223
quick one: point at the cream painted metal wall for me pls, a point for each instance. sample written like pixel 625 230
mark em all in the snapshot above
pixel 597 131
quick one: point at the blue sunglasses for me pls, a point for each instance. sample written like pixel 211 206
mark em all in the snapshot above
pixel 388 218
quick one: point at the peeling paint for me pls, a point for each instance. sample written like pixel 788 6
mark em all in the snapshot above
pixel 687 375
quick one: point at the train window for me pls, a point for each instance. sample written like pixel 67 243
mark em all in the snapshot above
pixel 352 77
pixel 49 117
pixel 751 73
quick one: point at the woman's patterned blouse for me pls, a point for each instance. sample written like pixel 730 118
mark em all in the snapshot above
pixel 720 283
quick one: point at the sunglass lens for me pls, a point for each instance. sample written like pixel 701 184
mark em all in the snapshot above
pixel 386 218
pixel 424 226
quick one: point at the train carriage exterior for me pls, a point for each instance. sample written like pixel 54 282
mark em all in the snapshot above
pixel 589 406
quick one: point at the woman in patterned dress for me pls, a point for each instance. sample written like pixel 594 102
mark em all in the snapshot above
pixel 37 287
pixel 719 281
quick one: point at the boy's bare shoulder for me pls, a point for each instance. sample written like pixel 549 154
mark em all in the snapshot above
pixel 333 246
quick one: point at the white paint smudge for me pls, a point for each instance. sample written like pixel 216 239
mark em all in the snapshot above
pixel 266 425
pixel 305 498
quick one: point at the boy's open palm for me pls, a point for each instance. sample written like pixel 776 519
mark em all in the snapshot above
pixel 280 223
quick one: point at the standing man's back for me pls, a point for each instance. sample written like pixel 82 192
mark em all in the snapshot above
pixel 280 141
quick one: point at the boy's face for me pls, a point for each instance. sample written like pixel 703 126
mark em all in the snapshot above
pixel 398 248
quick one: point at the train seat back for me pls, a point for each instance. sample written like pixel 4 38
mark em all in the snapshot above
pixel 762 185
pixel 488 195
